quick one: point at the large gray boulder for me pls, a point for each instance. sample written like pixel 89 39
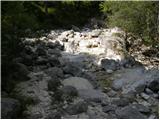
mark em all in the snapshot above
pixel 10 108
pixel 78 82
pixel 85 89
pixel 131 80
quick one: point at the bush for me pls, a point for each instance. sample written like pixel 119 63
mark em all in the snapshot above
pixel 137 17
pixel 14 21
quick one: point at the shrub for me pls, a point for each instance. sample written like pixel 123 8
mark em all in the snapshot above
pixel 137 17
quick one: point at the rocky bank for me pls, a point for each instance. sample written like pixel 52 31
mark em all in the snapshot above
pixel 82 74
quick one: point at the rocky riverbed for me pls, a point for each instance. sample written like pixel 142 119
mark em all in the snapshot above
pixel 82 74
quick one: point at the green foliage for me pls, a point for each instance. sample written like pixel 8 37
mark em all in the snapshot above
pixel 17 17
pixel 14 21
pixel 77 13
pixel 137 17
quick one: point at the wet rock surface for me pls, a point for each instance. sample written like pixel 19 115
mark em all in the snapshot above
pixel 82 74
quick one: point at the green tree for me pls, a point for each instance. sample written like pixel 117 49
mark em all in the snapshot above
pixel 137 17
